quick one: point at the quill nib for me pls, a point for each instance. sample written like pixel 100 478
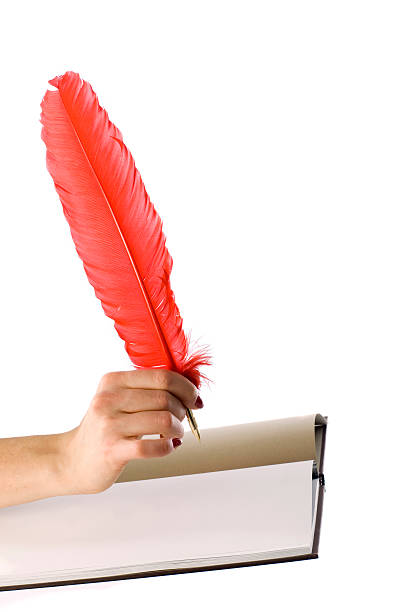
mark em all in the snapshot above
pixel 193 424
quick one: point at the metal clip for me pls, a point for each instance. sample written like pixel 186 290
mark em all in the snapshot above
pixel 322 481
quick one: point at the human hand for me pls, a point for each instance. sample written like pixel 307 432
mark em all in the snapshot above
pixel 126 406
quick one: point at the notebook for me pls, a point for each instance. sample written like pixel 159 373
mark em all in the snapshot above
pixel 246 494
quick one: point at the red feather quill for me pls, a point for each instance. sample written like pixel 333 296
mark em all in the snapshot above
pixel 115 227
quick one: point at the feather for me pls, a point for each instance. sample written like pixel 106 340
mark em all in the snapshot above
pixel 115 227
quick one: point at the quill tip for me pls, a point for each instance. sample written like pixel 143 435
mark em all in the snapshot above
pixel 193 424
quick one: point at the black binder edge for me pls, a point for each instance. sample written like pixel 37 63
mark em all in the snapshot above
pixel 322 488
pixel 166 572
pixel 157 573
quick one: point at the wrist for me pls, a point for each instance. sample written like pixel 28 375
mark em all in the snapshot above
pixel 63 464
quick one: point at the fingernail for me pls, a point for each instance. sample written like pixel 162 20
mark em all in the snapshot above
pixel 199 402
pixel 177 442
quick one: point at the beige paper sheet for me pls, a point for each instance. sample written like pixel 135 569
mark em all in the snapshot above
pixel 233 447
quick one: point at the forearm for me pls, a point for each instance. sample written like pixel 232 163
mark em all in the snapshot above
pixel 30 468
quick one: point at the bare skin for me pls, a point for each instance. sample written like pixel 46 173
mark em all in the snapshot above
pixel 89 458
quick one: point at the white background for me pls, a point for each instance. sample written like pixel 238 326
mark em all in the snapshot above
pixel 272 138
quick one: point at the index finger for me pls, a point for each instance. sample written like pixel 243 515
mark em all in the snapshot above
pixel 154 378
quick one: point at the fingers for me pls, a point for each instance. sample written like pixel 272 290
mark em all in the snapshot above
pixel 128 449
pixel 131 404
pixel 153 378
pixel 147 423
pixel 137 400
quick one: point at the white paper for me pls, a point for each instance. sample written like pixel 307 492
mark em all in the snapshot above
pixel 159 521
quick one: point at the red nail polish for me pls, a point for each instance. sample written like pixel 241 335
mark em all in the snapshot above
pixel 199 402
pixel 176 442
